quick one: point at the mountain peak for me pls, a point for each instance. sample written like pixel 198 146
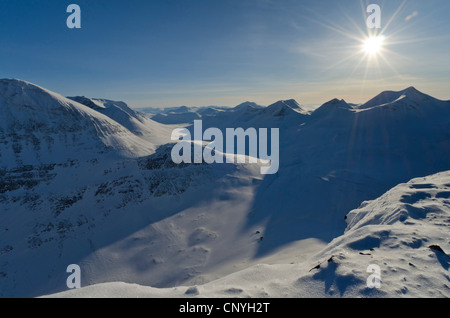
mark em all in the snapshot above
pixel 13 85
pixel 411 89
pixel 388 97
pixel 283 107
pixel 332 105
pixel 292 103
pixel 15 81
pixel 247 103
pixel 247 106
pixel 334 101
pixel 413 93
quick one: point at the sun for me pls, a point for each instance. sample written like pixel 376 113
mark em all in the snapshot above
pixel 373 45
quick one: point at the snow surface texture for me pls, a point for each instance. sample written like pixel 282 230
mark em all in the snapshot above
pixel 405 232
pixel 90 182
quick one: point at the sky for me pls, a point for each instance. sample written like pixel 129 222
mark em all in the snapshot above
pixel 161 53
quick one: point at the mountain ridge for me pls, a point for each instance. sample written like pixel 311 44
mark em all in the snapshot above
pixel 388 97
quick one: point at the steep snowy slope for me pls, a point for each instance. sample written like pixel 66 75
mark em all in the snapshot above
pixel 38 126
pixel 119 111
pixel 405 233
pixel 137 123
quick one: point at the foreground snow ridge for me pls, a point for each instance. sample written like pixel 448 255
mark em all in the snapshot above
pixel 405 232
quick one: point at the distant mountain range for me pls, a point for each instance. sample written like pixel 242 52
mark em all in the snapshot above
pixel 182 114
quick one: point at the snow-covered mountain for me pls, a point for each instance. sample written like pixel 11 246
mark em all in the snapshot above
pixel 119 111
pixel 283 107
pixel 104 194
pixel 411 95
pixel 76 203
pixel 137 123
pixel 329 109
pixel 247 107
pixel 38 126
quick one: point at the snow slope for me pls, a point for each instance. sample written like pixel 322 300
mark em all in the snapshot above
pixel 134 121
pixel 405 232
pixel 146 220
pixel 38 126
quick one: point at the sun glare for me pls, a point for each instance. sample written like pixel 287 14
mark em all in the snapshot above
pixel 373 45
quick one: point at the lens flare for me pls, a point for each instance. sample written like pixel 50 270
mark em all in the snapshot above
pixel 373 45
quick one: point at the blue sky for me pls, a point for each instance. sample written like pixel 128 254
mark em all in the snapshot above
pixel 162 53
